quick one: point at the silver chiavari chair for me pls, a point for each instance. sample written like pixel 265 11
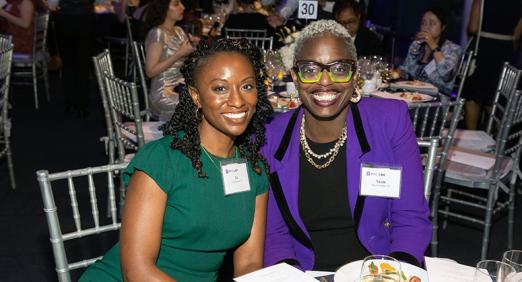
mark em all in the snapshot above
pixel 103 64
pixel 6 54
pixel 124 104
pixel 241 32
pixel 5 41
pixel 462 72
pixel 263 43
pixel 138 52
pixel 66 223
pixel 501 177
pixel 430 163
pixel 33 66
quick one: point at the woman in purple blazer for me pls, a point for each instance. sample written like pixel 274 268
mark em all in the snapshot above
pixel 317 217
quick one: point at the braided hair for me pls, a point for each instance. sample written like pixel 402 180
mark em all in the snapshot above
pixel 186 117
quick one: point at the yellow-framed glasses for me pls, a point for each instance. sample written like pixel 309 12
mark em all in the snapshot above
pixel 340 71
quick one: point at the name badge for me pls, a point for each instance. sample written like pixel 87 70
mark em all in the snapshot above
pixel 235 176
pixel 430 67
pixel 380 181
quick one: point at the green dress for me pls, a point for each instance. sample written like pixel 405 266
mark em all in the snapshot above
pixel 200 225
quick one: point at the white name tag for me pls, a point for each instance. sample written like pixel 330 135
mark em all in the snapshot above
pixel 307 9
pixel 235 176
pixel 380 181
pixel 430 67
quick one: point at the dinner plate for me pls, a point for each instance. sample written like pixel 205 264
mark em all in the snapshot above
pixel 350 272
pixel 409 97
pixel 413 84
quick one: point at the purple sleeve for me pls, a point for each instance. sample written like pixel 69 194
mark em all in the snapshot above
pixel 411 228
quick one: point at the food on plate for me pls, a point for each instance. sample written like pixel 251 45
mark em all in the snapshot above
pixel 411 96
pixel 414 83
pixel 395 74
pixel 384 268
pixel 411 278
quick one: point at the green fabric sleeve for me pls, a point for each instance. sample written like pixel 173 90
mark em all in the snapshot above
pixel 152 159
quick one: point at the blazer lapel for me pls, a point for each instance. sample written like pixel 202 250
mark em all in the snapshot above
pixel 287 176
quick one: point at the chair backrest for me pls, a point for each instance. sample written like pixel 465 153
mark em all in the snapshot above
pixel 41 23
pixel 511 129
pixel 430 163
pixel 5 41
pixel 124 104
pixel 263 43
pixel 435 119
pixel 508 82
pixel 103 64
pixel 6 57
pixel 239 32
pixel 138 51
pixel 83 191
pixel 462 71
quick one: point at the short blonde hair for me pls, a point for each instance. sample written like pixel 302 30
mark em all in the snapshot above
pixel 319 28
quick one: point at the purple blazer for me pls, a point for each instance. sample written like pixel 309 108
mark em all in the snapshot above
pixel 379 131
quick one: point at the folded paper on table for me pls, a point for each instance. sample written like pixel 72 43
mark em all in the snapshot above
pixel 441 270
pixel 471 158
pixel 276 273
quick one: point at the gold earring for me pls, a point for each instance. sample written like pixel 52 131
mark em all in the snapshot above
pixel 356 96
pixel 198 114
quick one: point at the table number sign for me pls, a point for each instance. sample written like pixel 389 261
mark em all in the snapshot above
pixel 307 9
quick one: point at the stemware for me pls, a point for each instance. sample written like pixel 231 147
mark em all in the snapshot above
pixel 380 268
pixel 513 258
pixel 493 270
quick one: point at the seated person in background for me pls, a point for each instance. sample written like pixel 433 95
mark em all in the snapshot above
pixel 166 47
pixel 431 57
pixel 17 19
pixel 317 218
pixel 181 215
pixel 246 17
pixel 349 14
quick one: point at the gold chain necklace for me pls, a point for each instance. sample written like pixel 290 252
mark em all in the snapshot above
pixel 332 153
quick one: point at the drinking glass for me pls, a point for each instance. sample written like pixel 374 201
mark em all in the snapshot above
pixel 513 258
pixel 379 268
pixel 493 270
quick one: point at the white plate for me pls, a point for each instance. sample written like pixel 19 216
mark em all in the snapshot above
pixel 413 84
pixel 409 97
pixel 283 94
pixel 350 272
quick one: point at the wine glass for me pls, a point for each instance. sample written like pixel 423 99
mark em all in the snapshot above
pixel 380 268
pixel 514 258
pixel 493 270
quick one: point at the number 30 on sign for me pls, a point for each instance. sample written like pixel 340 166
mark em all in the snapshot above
pixel 307 9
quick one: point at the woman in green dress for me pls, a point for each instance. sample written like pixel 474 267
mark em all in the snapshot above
pixel 200 191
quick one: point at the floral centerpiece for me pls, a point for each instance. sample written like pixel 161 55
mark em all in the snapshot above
pixel 287 36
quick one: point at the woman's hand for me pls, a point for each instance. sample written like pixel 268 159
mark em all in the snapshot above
pixel 423 36
pixel 185 48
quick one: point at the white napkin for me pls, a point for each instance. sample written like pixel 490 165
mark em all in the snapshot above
pixel 276 273
pixel 441 270
pixel 468 157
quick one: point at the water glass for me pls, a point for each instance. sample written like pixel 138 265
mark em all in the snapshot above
pixel 493 270
pixel 513 258
pixel 379 268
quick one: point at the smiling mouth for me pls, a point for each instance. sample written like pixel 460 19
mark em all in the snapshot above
pixel 235 116
pixel 325 97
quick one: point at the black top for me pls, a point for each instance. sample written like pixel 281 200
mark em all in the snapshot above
pixel 367 43
pixel 325 210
